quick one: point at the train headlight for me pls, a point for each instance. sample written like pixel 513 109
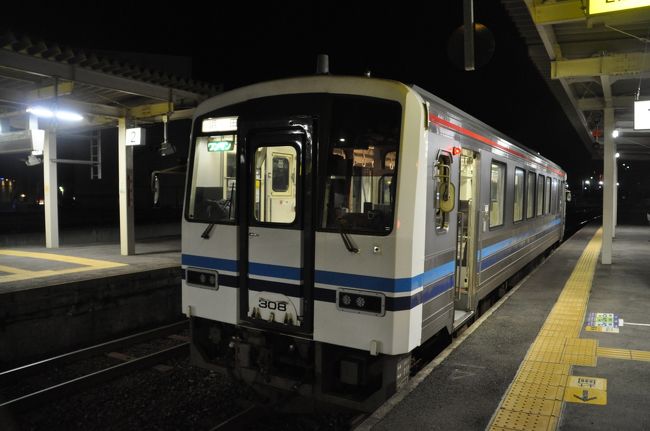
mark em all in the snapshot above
pixel 202 278
pixel 361 302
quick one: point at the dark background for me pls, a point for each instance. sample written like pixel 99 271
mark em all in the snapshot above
pixel 247 42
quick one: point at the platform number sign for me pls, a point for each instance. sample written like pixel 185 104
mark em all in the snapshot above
pixel 135 136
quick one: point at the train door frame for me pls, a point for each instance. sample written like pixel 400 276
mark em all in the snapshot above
pixel 295 132
pixel 466 276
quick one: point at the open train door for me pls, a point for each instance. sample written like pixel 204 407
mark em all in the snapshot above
pixel 276 238
pixel 467 241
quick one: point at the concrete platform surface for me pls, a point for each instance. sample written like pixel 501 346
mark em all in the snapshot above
pixel 30 267
pixel 55 300
pixel 589 380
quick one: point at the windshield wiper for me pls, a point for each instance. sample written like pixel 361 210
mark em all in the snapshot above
pixel 344 236
pixel 207 231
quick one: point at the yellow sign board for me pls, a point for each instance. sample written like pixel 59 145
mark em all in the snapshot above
pixel 585 396
pixel 604 6
pixel 586 390
pixel 587 382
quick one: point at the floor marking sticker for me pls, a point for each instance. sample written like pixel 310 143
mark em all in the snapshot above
pixel 602 322
pixel 587 382
pixel 585 396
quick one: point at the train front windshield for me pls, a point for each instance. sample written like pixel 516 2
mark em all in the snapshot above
pixel 358 144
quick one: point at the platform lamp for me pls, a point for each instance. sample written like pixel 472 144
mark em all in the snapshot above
pixel 166 147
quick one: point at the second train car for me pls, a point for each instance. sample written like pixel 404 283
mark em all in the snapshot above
pixel 334 224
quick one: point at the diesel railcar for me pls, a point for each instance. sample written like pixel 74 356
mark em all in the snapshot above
pixel 334 224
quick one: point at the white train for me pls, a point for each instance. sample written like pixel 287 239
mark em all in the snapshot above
pixel 334 224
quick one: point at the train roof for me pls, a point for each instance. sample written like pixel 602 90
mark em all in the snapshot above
pixel 478 125
pixel 363 85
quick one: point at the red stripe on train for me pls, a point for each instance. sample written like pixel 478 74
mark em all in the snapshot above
pixel 437 120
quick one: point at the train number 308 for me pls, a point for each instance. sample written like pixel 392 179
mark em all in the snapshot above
pixel 272 305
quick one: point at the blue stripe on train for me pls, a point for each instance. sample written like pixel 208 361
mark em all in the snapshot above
pixel 442 273
pixel 519 243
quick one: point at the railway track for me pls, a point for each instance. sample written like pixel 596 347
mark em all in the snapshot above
pixel 88 380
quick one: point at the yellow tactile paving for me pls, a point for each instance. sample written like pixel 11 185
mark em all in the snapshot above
pixel 633 355
pixel 534 399
pixel 85 264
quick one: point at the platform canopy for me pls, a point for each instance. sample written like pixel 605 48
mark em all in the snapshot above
pixel 594 55
pixel 48 90
pixel 101 89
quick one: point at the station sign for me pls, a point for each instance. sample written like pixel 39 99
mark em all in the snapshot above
pixel 135 136
pixel 605 6
pixel 642 115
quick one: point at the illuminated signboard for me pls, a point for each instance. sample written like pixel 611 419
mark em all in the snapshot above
pixel 604 6
pixel 219 144
pixel 642 115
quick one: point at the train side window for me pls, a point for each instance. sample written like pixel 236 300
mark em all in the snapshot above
pixel 444 197
pixel 554 196
pixel 540 195
pixel 497 193
pixel 547 196
pixel 518 210
pixel 530 195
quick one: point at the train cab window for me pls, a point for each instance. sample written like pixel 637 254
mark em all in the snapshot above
pixel 547 196
pixel 274 185
pixel 530 195
pixel 497 193
pixel 519 195
pixel 540 195
pixel 212 198
pixel 360 178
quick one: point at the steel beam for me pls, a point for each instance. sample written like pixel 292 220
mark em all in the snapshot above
pixel 62 89
pixel 632 63
pixel 598 103
pixel 557 12
pixel 70 72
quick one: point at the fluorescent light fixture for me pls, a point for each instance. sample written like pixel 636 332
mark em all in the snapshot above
pixel 40 111
pixel 222 124
pixel 615 133
pixel 68 116
pixel 43 112
pixel 617 155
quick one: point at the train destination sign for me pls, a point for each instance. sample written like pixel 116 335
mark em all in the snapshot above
pixel 219 145
pixel 604 6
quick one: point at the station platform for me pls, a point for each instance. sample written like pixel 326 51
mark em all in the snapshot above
pixel 52 300
pixel 568 349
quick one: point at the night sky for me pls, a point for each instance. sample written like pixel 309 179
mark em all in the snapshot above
pixel 253 41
